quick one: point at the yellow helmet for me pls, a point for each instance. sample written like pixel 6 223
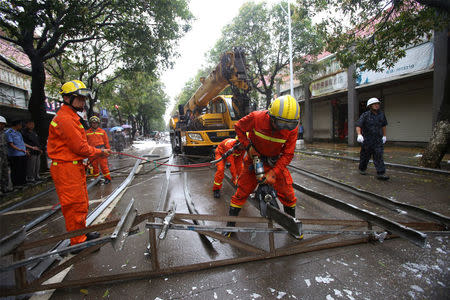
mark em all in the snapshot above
pixel 285 112
pixel 75 87
pixel 94 119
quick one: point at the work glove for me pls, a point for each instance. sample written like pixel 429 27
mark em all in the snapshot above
pixel 270 177
pixel 360 139
pixel 383 139
pixel 252 152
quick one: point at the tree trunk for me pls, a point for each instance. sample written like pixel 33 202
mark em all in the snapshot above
pixel 438 145
pixel 36 105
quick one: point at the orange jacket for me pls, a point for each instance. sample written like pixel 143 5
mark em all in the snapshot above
pixel 97 137
pixel 265 140
pixel 226 145
pixel 67 137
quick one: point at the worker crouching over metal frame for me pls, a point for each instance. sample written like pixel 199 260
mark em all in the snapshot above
pixel 272 135
pixel 67 147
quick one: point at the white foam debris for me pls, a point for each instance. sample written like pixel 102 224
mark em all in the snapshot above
pixel 326 279
pixel 234 279
pixel 316 152
pixel 415 268
pixel 441 284
pixel 439 250
pixel 439 238
pixel 255 296
pixel 329 297
pixel 342 263
pixel 157 298
pixel 418 155
pixel 308 282
pixel 215 295
pixel 194 288
pixel 272 290
pixel 412 294
pixel 293 296
pixel 230 292
pixel 166 279
pixel 133 267
pixel 417 288
pixel 437 268
pixel 338 293
pixel 349 294
pixel 232 271
pixel 281 295
pixel 124 265
pixel 328 260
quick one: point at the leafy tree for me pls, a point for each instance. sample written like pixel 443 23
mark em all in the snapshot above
pixel 141 99
pixel 263 32
pixel 376 36
pixel 143 31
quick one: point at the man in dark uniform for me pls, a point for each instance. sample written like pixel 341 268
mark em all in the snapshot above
pixel 371 130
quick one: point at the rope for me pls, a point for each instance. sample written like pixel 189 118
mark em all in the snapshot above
pixel 200 165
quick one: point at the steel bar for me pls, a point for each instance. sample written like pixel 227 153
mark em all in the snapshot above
pixel 55 253
pixel 52 211
pixel 231 241
pixel 375 198
pixel 414 236
pixel 66 264
pixel 197 228
pixel 121 231
pixel 95 281
pixel 153 248
pixel 12 241
pixel 26 201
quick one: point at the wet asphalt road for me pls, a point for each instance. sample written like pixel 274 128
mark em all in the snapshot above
pixel 390 270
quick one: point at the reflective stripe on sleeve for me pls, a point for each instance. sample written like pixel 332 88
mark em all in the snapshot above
pixel 53 123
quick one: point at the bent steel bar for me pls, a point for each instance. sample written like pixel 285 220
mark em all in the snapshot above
pixel 416 237
pixel 372 197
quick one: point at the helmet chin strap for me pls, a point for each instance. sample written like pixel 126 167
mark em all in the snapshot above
pixel 72 97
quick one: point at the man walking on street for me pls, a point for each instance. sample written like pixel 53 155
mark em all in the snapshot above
pixel 67 147
pixel 272 135
pixel 371 130
pixel 98 138
pixel 235 160
pixel 17 153
pixel 4 167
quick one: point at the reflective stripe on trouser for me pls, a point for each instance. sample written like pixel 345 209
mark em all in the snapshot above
pixel 218 178
pixel 103 162
pixel 247 184
pixel 70 183
pixel 376 151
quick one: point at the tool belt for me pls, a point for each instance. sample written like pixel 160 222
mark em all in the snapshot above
pixel 100 146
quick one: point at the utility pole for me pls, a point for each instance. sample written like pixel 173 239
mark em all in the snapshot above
pixel 291 68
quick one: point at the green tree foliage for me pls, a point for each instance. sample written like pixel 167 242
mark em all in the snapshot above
pixel 263 32
pixel 143 32
pixel 141 100
pixel 368 32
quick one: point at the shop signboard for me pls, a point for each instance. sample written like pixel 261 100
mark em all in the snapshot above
pixel 329 84
pixel 419 58
pixel 12 78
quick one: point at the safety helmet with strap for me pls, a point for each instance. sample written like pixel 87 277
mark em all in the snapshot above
pixel 285 112
pixel 372 101
pixel 75 88
pixel 94 119
pixel 2 119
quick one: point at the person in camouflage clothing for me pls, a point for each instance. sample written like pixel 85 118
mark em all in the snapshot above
pixel 4 168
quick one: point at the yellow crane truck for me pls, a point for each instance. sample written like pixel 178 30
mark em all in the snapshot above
pixel 208 118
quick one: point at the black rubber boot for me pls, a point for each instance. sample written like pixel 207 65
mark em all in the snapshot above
pixel 234 211
pixel 289 210
pixel 216 193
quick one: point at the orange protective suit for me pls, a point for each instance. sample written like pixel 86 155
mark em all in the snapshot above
pixel 235 160
pixel 99 139
pixel 278 144
pixel 67 146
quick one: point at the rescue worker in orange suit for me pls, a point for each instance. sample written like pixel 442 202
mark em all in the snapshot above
pixel 67 147
pixel 98 138
pixel 235 161
pixel 272 135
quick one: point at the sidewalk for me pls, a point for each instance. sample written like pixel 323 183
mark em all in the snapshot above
pixel 392 154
